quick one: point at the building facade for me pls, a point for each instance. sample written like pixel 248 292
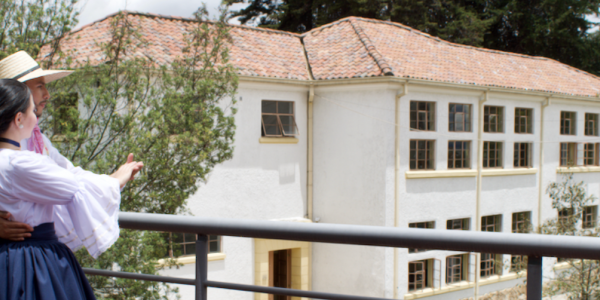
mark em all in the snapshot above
pixel 373 123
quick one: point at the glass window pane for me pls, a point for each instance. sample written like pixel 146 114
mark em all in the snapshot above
pixel 190 237
pixel 269 107
pixel 288 124
pixel 190 249
pixel 285 107
pixel 271 125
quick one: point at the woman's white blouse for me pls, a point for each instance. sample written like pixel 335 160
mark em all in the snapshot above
pixel 31 185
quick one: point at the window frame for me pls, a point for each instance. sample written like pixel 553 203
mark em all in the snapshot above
pixel 211 239
pixel 466 155
pixel 589 217
pixel 499 115
pixel 568 123
pixel 519 153
pixel 590 157
pixel 430 118
pixel 594 124
pixel 499 155
pixel 456 276
pixel 521 222
pixel 467 117
pixel 278 118
pixel 424 282
pixel 528 122
pixel 429 153
pixel 465 224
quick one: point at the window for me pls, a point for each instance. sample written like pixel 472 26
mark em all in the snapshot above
pixel 589 216
pixel 590 154
pixel 568 154
pixel 566 220
pixel 492 154
pixel 493 119
pixel 567 122
pixel 591 124
pixel 582 154
pixel 522 155
pixel 488 265
pixel 518 263
pixel 424 225
pixel 456 266
pixel 418 275
pixel 521 222
pixel 422 115
pixel 185 244
pixel 523 120
pixel 421 155
pixel 460 118
pixel 458 224
pixel 278 119
pixel 459 154
pixel 65 116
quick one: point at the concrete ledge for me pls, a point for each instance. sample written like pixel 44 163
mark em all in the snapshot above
pixel 468 173
pixel 577 169
pixel 191 259
pixel 276 140
pixel 508 172
pixel 463 285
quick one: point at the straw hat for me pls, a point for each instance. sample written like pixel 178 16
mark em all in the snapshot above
pixel 23 67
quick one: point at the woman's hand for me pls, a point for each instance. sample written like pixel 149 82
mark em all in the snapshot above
pixel 13 231
pixel 127 171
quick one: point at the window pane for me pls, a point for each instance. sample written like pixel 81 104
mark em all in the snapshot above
pixel 288 124
pixel 269 107
pixel 271 125
pixel 190 249
pixel 285 107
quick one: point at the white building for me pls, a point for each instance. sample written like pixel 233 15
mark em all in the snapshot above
pixel 347 85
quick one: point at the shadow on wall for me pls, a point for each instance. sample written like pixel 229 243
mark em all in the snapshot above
pixel 440 185
pixel 495 183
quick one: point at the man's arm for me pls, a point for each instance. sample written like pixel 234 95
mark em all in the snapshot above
pixel 14 231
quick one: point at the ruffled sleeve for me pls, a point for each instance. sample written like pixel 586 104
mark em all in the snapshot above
pixel 95 211
pixel 91 200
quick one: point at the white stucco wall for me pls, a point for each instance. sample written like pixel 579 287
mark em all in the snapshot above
pixel 261 181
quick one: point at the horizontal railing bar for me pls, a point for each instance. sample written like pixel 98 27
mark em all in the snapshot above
pixel 286 292
pixel 456 240
pixel 139 276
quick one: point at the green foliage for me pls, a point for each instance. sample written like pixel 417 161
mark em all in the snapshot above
pixel 177 118
pixel 582 279
pixel 556 29
pixel 27 25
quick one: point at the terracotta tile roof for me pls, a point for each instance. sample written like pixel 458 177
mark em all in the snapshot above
pixel 254 51
pixel 349 48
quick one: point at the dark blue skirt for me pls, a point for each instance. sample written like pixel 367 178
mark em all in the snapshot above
pixel 41 268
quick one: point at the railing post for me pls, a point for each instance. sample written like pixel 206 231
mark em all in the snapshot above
pixel 534 278
pixel 201 266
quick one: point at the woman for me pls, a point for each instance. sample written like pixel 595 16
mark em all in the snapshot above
pixel 30 185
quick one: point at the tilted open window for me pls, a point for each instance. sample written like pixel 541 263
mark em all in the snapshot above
pixel 278 119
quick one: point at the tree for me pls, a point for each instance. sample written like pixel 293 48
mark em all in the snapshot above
pixel 557 29
pixel 570 199
pixel 176 118
pixel 27 25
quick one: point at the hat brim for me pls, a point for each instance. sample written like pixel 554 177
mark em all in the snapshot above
pixel 49 75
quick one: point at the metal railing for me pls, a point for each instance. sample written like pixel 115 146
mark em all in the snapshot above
pixel 533 245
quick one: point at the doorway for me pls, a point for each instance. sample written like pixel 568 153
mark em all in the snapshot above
pixel 280 271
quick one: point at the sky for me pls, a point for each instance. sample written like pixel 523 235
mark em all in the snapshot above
pixel 93 10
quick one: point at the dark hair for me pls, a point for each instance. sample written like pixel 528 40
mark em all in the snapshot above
pixel 14 99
